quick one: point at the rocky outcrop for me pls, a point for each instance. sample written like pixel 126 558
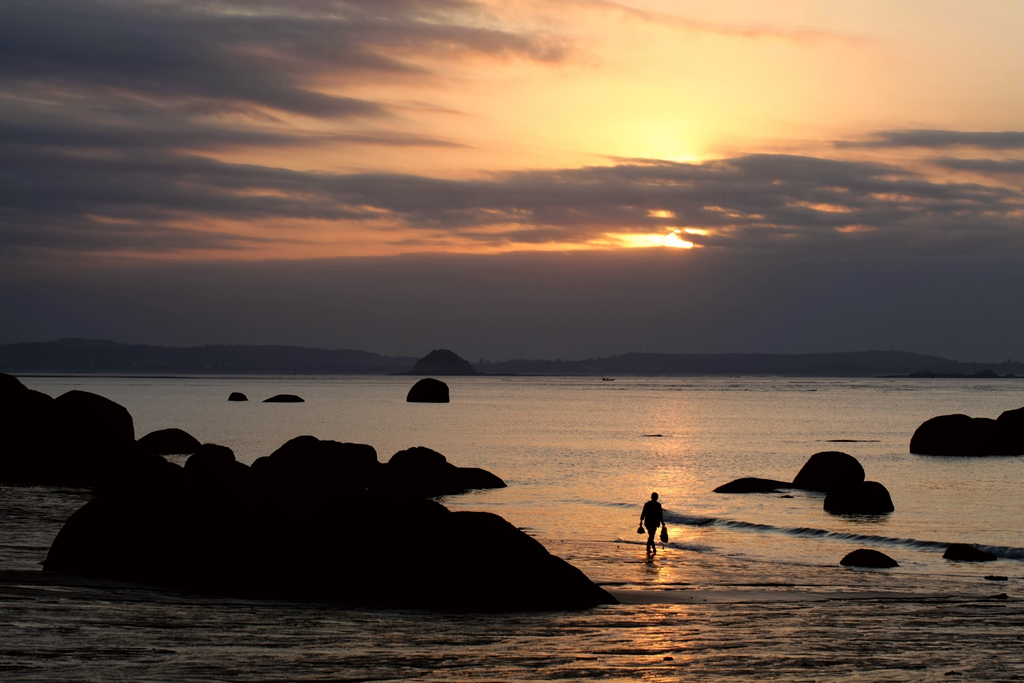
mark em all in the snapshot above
pixel 302 523
pixel 753 485
pixel 428 390
pixel 167 442
pixel 974 436
pixel 237 396
pixel 961 552
pixel 865 557
pixel 442 362
pixel 284 398
pixel 865 498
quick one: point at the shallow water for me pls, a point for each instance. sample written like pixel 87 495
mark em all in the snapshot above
pixel 580 456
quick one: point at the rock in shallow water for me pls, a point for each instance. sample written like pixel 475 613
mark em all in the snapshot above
pixel 753 485
pixel 865 557
pixel 428 390
pixel 974 436
pixel 237 396
pixel 829 470
pixel 962 552
pixel 284 398
pixel 866 498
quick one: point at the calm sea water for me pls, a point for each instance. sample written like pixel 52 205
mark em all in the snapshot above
pixel 748 586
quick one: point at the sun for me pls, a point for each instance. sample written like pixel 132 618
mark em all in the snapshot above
pixel 674 240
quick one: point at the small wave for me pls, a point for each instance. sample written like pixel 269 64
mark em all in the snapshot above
pixel 1007 552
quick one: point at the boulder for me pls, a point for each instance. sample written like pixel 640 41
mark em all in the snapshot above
pixel 753 485
pixel 237 396
pixel 865 498
pixel 284 398
pixel 961 552
pixel 442 362
pixel 829 470
pixel 428 390
pixel 25 430
pixel 205 536
pixel 865 557
pixel 421 471
pixel 167 442
pixel 971 436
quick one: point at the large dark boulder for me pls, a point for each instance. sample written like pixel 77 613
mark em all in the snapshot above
pixel 973 436
pixel 421 471
pixel 753 485
pixel 170 441
pixel 442 362
pixel 865 498
pixel 829 470
pixel 428 390
pixel 961 552
pixel 237 396
pixel 865 557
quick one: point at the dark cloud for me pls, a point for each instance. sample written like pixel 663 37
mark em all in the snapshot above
pixel 1009 140
pixel 227 54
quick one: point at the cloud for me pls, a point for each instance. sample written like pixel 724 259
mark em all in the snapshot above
pixel 941 139
pixel 765 202
pixel 229 54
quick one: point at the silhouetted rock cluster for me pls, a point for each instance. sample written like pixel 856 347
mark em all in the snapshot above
pixel 962 435
pixel 428 390
pixel 320 520
pixel 838 475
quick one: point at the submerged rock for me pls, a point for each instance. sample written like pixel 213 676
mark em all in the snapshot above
pixel 961 552
pixel 865 557
pixel 284 398
pixel 237 396
pixel 866 498
pixel 753 485
pixel 428 390
pixel 973 436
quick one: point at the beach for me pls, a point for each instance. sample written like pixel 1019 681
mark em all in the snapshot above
pixel 747 588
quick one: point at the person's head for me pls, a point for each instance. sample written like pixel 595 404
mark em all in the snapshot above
pixel 654 496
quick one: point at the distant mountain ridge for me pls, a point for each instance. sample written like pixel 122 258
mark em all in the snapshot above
pixel 100 356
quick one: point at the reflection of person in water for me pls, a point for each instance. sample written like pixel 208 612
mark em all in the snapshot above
pixel 651 518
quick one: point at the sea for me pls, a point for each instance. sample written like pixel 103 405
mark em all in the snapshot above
pixel 748 587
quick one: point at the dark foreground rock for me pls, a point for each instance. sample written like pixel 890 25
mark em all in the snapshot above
pixel 77 439
pixel 973 436
pixel 753 485
pixel 428 390
pixel 237 396
pixel 424 472
pixel 866 498
pixel 961 552
pixel 304 524
pixel 284 398
pixel 865 557
pixel 168 442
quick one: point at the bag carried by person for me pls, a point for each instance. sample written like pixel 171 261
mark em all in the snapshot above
pixel 664 534
pixel 640 529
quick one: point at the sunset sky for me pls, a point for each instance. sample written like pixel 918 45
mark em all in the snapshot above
pixel 523 178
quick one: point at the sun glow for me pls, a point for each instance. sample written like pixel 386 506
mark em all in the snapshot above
pixel 674 240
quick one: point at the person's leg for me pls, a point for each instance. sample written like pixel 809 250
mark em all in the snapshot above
pixel 651 548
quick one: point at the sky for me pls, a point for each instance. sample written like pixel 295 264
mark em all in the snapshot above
pixel 515 179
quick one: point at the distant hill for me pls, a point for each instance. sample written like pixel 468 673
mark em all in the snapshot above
pixel 850 364
pixel 97 356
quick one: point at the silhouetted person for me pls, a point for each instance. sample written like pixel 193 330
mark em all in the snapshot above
pixel 652 518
